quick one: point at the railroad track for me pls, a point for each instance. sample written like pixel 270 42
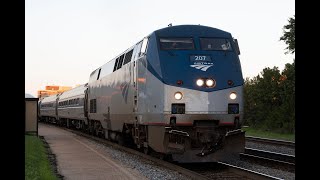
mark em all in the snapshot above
pixel 290 144
pixel 221 170
pixel 246 173
pixel 218 170
pixel 271 159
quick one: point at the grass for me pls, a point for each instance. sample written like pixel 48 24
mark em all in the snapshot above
pixel 268 134
pixel 37 165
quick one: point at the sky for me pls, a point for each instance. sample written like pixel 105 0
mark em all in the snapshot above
pixel 65 40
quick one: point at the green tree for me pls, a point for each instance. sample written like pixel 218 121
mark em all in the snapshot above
pixel 289 35
pixel 262 97
pixel 250 98
pixel 287 89
pixel 269 98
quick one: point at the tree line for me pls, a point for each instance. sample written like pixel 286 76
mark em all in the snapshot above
pixel 269 98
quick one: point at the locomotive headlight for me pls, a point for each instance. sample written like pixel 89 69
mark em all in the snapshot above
pixel 200 82
pixel 233 95
pixel 178 95
pixel 209 82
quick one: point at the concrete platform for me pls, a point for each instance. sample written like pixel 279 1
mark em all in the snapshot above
pixel 80 159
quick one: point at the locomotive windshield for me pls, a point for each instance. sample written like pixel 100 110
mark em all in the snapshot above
pixel 216 44
pixel 176 43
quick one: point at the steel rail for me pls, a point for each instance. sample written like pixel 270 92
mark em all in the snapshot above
pixel 247 173
pixel 271 159
pixel 271 155
pixel 271 141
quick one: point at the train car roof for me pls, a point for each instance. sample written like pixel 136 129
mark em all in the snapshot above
pixel 79 90
pixel 50 98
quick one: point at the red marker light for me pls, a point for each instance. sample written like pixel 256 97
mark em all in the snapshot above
pixel 179 82
pixel 230 82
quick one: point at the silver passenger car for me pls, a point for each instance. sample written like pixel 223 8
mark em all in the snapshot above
pixel 71 105
pixel 48 108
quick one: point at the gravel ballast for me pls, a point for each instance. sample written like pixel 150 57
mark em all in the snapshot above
pixel 146 167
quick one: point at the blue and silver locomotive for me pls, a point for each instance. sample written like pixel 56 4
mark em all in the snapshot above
pixel 177 92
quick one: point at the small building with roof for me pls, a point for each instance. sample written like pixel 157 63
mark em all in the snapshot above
pixel 31 114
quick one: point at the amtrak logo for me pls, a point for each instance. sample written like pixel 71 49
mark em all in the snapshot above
pixel 202 67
